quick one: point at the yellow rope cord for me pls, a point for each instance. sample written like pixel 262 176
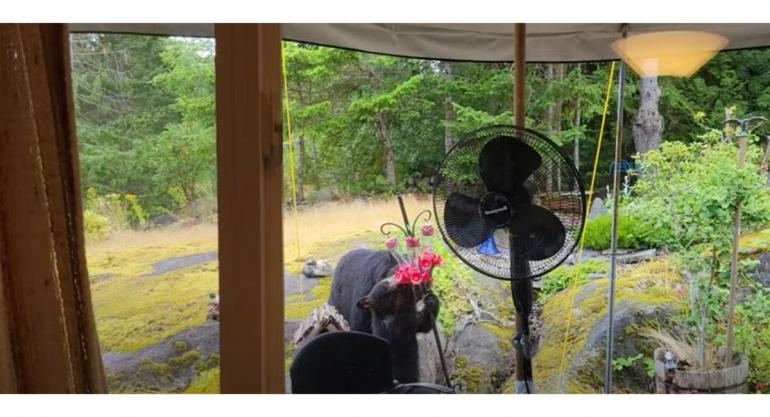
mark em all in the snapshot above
pixel 290 142
pixel 574 282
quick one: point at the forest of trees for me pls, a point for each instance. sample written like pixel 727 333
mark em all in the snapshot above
pixel 362 124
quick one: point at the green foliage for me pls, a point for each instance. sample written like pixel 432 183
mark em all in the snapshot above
pixel 619 364
pixel 96 227
pixel 145 116
pixel 449 282
pixel 752 337
pixel 633 232
pixel 564 276
pixel 649 366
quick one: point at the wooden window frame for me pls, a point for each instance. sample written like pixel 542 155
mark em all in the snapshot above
pixel 250 174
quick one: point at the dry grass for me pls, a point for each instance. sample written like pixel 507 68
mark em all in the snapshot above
pixel 204 233
pixel 681 347
pixel 318 224
pixel 333 221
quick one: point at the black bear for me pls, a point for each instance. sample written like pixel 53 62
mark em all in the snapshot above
pixel 364 291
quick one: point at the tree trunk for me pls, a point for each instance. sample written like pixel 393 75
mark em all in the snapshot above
pixel 557 119
pixel 316 177
pixel 301 170
pixel 390 160
pixel 648 123
pixel 447 68
pixel 577 123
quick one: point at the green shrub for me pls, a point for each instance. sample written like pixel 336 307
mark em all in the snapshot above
pixel 563 276
pixel 687 193
pixel 96 227
pixel 633 232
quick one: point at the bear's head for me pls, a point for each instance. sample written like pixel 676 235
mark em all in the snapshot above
pixel 394 318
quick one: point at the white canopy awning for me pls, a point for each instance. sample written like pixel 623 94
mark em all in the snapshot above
pixel 546 42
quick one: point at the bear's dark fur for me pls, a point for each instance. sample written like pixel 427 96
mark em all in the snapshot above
pixel 365 293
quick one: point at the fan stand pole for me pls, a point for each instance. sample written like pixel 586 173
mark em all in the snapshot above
pixel 521 289
pixel 521 292
pixel 614 237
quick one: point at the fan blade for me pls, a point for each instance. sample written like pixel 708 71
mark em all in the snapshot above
pixel 463 220
pixel 540 234
pixel 505 164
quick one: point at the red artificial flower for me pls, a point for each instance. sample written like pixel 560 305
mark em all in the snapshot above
pixel 425 263
pixel 427 229
pixel 430 257
pixel 410 274
pixel 402 274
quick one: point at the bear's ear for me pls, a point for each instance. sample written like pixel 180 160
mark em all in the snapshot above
pixel 365 302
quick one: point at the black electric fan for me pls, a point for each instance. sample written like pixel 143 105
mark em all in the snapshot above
pixel 511 205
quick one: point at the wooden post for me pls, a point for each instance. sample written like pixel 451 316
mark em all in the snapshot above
pixel 519 66
pixel 734 258
pixel 249 172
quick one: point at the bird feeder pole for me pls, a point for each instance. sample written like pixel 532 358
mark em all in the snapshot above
pixel 742 138
pixel 614 235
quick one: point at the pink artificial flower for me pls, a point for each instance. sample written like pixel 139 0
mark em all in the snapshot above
pixel 427 229
pixel 426 278
pixel 412 242
pixel 391 243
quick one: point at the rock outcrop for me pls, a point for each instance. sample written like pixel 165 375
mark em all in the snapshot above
pixel 573 339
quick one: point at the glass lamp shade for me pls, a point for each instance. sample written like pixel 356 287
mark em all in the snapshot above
pixel 674 53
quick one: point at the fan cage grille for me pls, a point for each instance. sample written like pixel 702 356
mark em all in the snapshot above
pixel 555 185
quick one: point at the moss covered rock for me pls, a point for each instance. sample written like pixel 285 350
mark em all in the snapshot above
pixel 480 355
pixel 574 333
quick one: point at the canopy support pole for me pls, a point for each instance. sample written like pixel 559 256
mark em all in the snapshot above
pixel 614 238
pixel 521 289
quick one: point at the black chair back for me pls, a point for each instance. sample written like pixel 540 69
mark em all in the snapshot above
pixel 342 363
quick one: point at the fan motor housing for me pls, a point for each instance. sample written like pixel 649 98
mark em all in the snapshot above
pixel 496 210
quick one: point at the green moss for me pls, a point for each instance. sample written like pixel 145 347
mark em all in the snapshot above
pixel 138 261
pixel 650 283
pixel 291 348
pixel 185 359
pixel 133 312
pixel 470 377
pixel 756 241
pixel 213 360
pixel 180 346
pixel 161 371
pixel 504 334
pixel 301 308
pixel 206 382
